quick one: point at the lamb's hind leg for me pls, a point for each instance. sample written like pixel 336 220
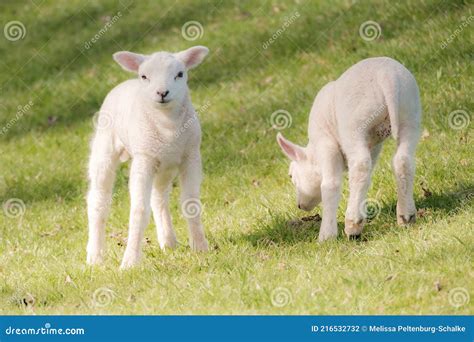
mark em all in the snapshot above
pixel 374 154
pixel 190 177
pixel 404 169
pixel 160 207
pixel 102 167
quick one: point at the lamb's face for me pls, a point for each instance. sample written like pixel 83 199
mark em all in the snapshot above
pixel 163 78
pixel 307 182
pixel 163 75
pixel 303 173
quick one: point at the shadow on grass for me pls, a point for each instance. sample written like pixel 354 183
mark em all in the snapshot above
pixel 450 201
pixel 280 230
pixel 61 190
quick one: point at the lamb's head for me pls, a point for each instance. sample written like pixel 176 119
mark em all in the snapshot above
pixel 303 173
pixel 163 75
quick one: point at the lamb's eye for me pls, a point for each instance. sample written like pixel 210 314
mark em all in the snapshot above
pixel 179 75
pixel 144 77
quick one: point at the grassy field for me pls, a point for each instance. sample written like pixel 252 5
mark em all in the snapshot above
pixel 55 71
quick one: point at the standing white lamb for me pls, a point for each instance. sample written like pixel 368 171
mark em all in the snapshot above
pixel 350 118
pixel 150 119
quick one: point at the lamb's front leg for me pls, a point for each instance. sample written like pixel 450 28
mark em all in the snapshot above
pixel 332 167
pixel 360 166
pixel 190 178
pixel 141 178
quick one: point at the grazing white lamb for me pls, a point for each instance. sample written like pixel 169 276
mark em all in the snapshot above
pixel 350 118
pixel 150 119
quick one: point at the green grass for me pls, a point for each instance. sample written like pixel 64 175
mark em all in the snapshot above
pixel 248 199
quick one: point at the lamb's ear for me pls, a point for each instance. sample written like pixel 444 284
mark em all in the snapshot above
pixel 192 57
pixel 128 60
pixel 292 151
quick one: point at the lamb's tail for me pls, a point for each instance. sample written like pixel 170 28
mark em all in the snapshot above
pixel 391 90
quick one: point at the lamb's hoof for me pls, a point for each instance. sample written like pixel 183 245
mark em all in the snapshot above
pixel 126 265
pixel 170 243
pixel 404 220
pixel 324 236
pixel 353 228
pixel 95 258
pixel 356 237
pixel 201 246
pixel 129 262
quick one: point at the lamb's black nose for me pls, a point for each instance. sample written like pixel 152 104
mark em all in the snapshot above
pixel 299 206
pixel 163 93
